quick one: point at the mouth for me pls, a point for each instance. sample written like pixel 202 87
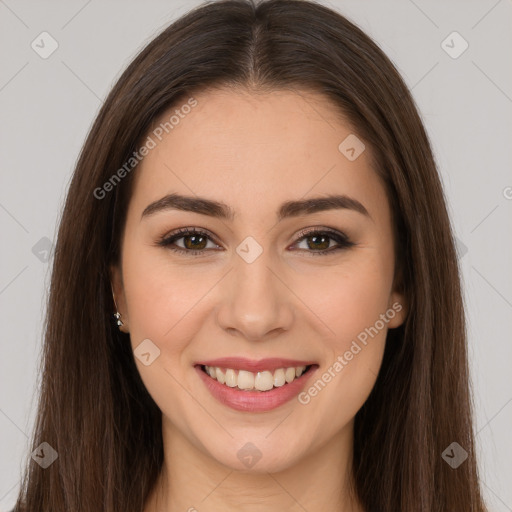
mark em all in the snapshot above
pixel 260 390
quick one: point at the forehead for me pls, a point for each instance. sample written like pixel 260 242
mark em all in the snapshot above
pixel 252 149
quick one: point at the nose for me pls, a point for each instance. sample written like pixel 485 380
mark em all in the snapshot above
pixel 255 302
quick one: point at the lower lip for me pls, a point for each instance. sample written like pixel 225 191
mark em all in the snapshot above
pixel 255 401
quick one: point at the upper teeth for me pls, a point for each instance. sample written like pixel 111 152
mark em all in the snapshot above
pixel 261 381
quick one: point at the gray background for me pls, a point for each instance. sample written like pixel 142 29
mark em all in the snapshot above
pixel 47 106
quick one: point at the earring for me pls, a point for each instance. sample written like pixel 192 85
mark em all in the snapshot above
pixel 117 315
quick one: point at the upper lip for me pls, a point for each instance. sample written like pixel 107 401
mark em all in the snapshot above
pixel 251 365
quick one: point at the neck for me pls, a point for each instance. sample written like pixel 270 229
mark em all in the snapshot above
pixel 192 481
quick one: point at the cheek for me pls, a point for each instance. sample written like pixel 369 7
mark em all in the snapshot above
pixel 356 311
pixel 353 358
pixel 351 299
pixel 160 294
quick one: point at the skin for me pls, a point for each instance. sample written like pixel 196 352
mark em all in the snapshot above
pixel 254 152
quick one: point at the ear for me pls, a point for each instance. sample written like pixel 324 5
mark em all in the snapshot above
pixel 397 310
pixel 116 280
pixel 398 305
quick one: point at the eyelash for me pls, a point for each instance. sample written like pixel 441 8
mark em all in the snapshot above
pixel 340 238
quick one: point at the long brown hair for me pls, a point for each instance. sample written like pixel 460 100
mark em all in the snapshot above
pixel 94 409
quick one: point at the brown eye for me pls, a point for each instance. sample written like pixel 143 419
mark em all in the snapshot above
pixel 194 241
pixel 318 242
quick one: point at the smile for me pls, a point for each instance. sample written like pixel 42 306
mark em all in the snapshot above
pixel 250 386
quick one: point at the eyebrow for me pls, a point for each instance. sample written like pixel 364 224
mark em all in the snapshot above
pixel 220 210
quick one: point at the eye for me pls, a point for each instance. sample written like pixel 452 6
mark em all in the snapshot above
pixel 195 241
pixel 321 239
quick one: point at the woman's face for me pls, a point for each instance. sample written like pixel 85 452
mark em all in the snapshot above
pixel 277 279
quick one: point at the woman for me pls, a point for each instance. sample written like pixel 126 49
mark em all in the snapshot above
pixel 255 301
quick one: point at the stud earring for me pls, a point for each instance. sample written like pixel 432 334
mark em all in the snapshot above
pixel 117 316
